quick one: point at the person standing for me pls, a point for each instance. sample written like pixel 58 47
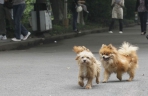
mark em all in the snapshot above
pixel 74 5
pixel 117 13
pixel 2 21
pixel 18 9
pixel 74 15
pixel 142 9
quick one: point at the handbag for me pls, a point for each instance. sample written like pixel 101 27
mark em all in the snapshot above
pixel 79 8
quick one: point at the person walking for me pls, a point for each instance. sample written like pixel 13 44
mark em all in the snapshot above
pixel 117 13
pixel 18 9
pixel 2 21
pixel 142 9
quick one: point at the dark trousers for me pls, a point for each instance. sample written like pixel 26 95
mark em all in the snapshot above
pixel 9 17
pixel 112 24
pixel 74 24
pixel 2 20
pixel 143 19
pixel 17 15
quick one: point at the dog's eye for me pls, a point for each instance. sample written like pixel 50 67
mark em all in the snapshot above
pixel 102 53
pixel 87 57
pixel 105 54
pixel 82 57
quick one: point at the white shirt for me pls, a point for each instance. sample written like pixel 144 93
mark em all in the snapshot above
pixel 1 1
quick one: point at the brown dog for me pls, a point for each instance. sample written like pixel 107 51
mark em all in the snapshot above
pixel 119 61
pixel 89 67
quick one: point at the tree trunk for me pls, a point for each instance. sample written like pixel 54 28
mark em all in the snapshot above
pixel 58 10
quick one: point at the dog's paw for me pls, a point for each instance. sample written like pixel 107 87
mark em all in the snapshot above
pixel 129 80
pixel 97 81
pixel 119 78
pixel 81 83
pixel 88 87
pixel 104 81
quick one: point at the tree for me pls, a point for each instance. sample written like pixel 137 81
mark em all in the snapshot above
pixel 58 10
pixel 130 8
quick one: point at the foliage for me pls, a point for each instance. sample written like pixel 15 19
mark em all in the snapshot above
pixel 100 10
pixel 130 9
pixel 29 8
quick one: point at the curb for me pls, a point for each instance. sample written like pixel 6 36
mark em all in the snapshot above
pixel 31 42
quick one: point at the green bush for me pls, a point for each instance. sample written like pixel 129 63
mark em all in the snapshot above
pixel 100 11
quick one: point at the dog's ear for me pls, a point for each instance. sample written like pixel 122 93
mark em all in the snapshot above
pixel 110 46
pixel 77 57
pixel 103 45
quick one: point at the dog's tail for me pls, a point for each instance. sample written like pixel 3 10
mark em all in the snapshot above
pixel 78 49
pixel 127 49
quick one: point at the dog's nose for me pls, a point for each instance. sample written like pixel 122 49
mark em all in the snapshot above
pixel 84 60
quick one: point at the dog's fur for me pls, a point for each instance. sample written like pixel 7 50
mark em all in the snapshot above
pixel 89 66
pixel 119 61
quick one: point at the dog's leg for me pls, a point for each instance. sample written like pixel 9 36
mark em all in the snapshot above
pixel 119 75
pixel 97 77
pixel 106 76
pixel 80 82
pixel 89 83
pixel 131 74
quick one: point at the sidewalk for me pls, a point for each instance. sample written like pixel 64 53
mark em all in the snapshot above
pixel 32 42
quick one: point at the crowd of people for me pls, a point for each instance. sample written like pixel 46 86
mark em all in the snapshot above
pixel 13 9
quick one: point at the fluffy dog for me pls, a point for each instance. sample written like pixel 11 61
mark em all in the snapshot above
pixel 119 61
pixel 89 67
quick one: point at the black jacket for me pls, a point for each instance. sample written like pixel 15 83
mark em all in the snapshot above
pixel 138 3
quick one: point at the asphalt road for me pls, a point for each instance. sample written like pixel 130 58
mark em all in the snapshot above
pixel 51 69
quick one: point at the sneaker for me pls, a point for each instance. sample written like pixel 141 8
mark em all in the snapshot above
pixel 110 32
pixel 76 30
pixel 79 32
pixel 14 39
pixel 4 38
pixel 120 32
pixel 26 37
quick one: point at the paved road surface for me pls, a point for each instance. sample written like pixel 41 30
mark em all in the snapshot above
pixel 51 70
